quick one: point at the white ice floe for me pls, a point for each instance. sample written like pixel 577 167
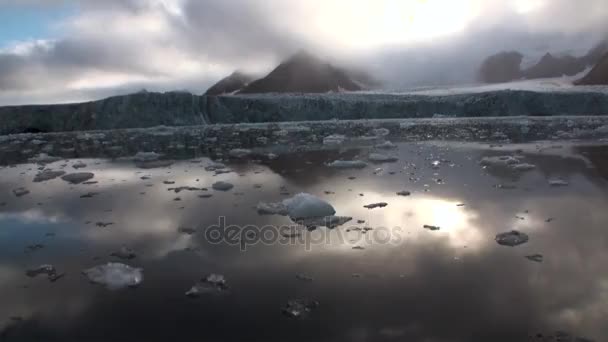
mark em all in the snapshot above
pixel 115 275
pixel 78 177
pixel 381 158
pixel 239 153
pixel 79 165
pixel 334 139
pixel 299 308
pixel 506 161
pixel 387 145
pixel 381 132
pixel 347 164
pixel 557 182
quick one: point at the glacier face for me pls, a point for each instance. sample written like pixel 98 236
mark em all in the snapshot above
pixel 184 109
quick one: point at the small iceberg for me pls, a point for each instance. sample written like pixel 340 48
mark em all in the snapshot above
pixel 222 186
pixel 115 275
pixel 239 153
pixel 299 308
pixel 124 253
pixel 334 139
pixel 304 205
pixel 212 284
pixel 381 158
pixel 347 164
pixel 146 156
pixel 78 177
pixel 512 238
pixel 20 192
pixel 44 158
pixel 47 175
pixel 376 205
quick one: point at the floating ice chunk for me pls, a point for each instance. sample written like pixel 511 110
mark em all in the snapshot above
pixel 44 158
pixel 523 167
pixel 146 156
pixel 304 205
pixel 115 275
pixel 376 205
pixel 79 165
pixel 239 153
pixel 304 277
pixel 334 139
pixel 42 269
pixel 212 284
pixel 299 308
pixel 20 192
pixel 347 164
pixel 387 145
pixel 215 166
pixel 557 182
pixel 182 188
pixel 512 238
pixel 535 257
pixel 269 208
pixel 381 158
pixel 78 177
pixel 124 253
pixel 432 228
pixel 403 193
pixel 499 161
pixel 48 175
pixel 222 186
pixel 327 221
pixel 381 132
pixel 153 164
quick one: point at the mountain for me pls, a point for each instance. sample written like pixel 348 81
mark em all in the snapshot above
pixel 501 67
pixel 551 66
pixel 303 73
pixel 236 81
pixel 506 66
pixel 597 75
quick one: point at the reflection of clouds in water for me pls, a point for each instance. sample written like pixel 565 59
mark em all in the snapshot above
pixel 34 216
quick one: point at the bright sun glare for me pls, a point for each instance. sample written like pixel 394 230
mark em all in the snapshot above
pixel 364 24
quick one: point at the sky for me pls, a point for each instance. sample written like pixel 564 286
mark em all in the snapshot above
pixel 55 51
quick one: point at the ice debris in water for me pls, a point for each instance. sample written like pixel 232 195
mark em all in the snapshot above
pixel 44 158
pixel 20 192
pixel 79 165
pixel 376 205
pixel 347 164
pixel 334 139
pixel 511 162
pixel 48 270
pixel 432 228
pixel 78 177
pixel 215 166
pixel 381 132
pixel 299 308
pixel 222 186
pixel 387 145
pixel 239 153
pixel 115 275
pixel 146 156
pixel 403 193
pixel 381 158
pixel 124 253
pixel 304 205
pixel 48 175
pixel 211 284
pixel 557 182
pixel 327 221
pixel 512 238
pixel 535 257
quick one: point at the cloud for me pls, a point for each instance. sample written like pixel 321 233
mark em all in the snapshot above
pixel 108 47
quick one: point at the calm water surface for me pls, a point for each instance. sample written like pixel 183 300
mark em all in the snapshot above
pixel 453 284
